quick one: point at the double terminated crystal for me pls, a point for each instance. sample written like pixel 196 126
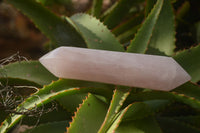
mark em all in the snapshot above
pixel 120 68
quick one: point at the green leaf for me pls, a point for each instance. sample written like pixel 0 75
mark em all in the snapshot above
pixel 27 70
pixel 96 7
pixel 119 11
pixel 137 110
pixel 140 43
pixel 149 6
pixel 96 35
pixel 53 127
pixel 89 116
pixel 119 96
pixel 193 120
pixel 138 117
pixel 118 119
pixel 169 125
pixel 190 61
pixel 55 110
pixel 182 11
pixel 154 51
pixel 189 89
pixel 163 37
pixel 191 101
pixel 197 25
pixel 59 31
pixel 7 81
pixel 128 35
pixel 159 95
pixel 67 103
pixel 146 125
pixel 132 22
pixel 157 105
pixel 57 89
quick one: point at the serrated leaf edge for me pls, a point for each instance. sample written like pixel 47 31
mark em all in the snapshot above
pixel 76 112
pixel 99 23
pixel 136 35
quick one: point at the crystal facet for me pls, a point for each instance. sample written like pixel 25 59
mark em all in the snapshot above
pixel 120 68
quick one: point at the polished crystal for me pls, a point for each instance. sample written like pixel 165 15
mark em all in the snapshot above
pixel 120 68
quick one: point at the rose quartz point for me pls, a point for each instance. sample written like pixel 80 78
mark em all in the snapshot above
pixel 120 68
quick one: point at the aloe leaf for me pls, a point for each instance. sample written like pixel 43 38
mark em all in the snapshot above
pixel 59 31
pixel 96 7
pixel 172 96
pixel 154 51
pixel 53 127
pixel 138 110
pixel 169 125
pixel 27 70
pixel 89 116
pixel 190 61
pixel 182 11
pixel 118 120
pixel 149 6
pixel 140 42
pixel 192 120
pixel 128 35
pixel 119 96
pixel 186 99
pixel 96 35
pixel 163 37
pixel 197 25
pixel 137 117
pixel 7 81
pixel 158 105
pixel 132 22
pixel 53 91
pixel 119 10
pixel 67 103
pixel 54 109
pixel 189 89
pixel 191 101
pixel 147 125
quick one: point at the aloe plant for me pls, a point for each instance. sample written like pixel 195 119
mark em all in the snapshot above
pixel 90 107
